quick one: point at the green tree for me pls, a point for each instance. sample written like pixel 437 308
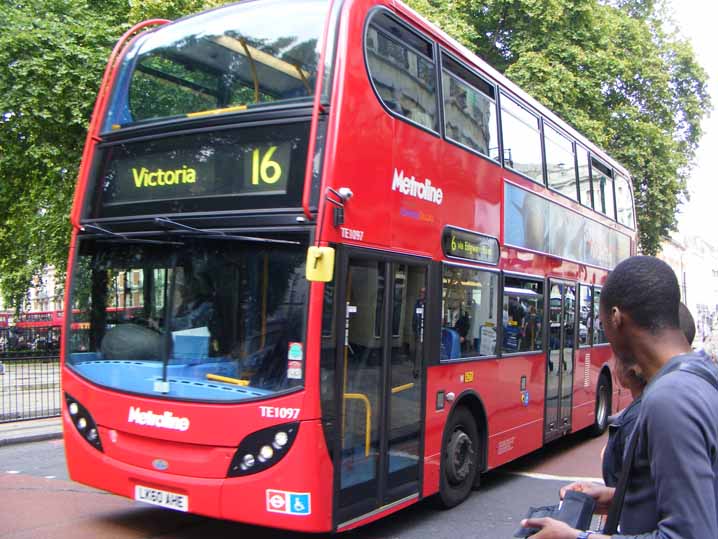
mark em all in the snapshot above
pixel 52 55
pixel 608 67
pixel 613 71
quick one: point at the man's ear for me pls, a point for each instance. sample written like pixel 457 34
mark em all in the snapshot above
pixel 617 318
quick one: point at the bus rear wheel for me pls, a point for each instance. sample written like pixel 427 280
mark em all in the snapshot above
pixel 459 458
pixel 603 406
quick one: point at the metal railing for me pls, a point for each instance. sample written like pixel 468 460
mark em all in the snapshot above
pixel 29 385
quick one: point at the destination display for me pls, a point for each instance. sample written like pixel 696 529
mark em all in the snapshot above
pixel 470 246
pixel 249 163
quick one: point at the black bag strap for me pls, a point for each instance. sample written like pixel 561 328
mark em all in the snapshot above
pixel 614 512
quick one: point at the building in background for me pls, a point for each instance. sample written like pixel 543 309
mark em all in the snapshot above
pixel 695 262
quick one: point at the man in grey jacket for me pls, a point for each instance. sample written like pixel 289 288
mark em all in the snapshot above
pixel 672 492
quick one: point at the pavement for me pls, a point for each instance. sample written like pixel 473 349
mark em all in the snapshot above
pixel 20 432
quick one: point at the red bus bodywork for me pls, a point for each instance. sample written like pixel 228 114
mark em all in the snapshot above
pixel 364 146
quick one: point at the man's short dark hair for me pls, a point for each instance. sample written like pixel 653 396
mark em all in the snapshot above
pixel 688 325
pixel 647 290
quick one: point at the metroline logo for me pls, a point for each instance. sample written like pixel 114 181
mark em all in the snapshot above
pixel 413 188
pixel 166 420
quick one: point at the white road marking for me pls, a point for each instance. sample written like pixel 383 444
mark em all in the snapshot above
pixel 12 471
pixel 50 477
pixel 549 477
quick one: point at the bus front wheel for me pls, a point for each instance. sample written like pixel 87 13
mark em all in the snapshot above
pixel 459 458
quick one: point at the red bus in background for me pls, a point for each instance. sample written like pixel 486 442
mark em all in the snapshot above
pixel 41 330
pixel 37 331
pixel 364 267
pixel 39 319
pixel 5 318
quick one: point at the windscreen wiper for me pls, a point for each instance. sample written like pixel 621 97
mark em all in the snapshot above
pixel 121 238
pixel 215 234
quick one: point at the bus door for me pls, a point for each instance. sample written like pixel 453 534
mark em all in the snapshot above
pixel 559 365
pixel 380 367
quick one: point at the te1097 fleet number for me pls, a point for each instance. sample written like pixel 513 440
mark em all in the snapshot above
pixel 280 413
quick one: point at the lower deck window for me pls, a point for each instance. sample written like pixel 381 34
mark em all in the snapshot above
pixel 469 313
pixel 522 315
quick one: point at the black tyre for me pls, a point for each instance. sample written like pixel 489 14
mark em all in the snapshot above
pixel 459 459
pixel 603 406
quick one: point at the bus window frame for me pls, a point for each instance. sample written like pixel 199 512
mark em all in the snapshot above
pixel 588 203
pixel 329 48
pixel 504 94
pixel 434 47
pixel 581 285
pixel 536 279
pixel 608 174
pixel 499 331
pixel 627 178
pixel 560 132
pixel 596 309
pixel 443 51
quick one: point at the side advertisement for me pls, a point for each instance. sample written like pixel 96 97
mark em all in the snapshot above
pixel 533 222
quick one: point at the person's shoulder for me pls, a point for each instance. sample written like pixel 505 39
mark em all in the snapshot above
pixel 693 381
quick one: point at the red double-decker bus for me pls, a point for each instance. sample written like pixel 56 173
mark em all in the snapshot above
pixel 365 268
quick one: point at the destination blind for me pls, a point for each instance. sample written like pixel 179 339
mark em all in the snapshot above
pixel 470 246
pixel 177 173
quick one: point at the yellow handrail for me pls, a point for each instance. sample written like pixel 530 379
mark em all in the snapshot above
pixel 399 389
pixel 367 425
pixel 227 379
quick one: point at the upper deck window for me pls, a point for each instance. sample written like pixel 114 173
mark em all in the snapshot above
pixel 469 109
pixel 260 53
pixel 584 177
pixel 522 140
pixel 560 164
pixel 401 66
pixel 624 201
pixel 602 180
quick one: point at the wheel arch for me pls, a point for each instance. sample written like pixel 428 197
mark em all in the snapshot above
pixel 471 400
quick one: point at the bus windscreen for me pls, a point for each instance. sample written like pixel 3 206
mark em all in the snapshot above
pixel 203 318
pixel 254 54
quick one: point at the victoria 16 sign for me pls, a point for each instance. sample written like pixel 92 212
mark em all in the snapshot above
pixel 470 246
pixel 224 169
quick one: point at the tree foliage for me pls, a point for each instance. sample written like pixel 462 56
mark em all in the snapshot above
pixel 610 68
pixel 52 55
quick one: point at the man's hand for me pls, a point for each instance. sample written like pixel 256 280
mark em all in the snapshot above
pixel 602 494
pixel 550 528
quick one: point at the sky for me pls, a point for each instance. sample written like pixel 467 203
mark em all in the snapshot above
pixel 696 21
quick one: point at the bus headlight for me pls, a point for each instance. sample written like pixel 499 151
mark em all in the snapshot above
pixel 280 439
pixel 83 422
pixel 262 449
pixel 265 453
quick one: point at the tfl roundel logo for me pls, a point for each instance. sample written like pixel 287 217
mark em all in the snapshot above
pixel 289 503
